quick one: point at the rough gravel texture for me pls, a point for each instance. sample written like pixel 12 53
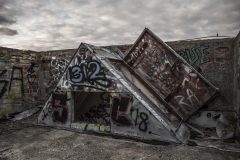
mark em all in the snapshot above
pixel 23 141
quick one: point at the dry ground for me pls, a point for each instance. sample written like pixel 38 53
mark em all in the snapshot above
pixel 20 141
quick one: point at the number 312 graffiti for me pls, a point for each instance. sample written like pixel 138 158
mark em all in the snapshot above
pixel 91 72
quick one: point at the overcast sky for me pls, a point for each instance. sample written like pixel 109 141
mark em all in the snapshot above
pixel 60 24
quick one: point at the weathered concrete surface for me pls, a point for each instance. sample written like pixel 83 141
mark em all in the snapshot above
pixel 236 81
pixel 21 141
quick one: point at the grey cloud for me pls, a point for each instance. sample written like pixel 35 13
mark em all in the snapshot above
pixel 7 13
pixel 5 20
pixel 59 24
pixel 8 31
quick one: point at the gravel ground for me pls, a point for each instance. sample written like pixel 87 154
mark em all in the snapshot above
pixel 20 141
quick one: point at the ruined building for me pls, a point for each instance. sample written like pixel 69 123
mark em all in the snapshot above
pixel 177 91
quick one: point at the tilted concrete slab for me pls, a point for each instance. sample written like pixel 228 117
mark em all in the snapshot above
pixel 169 76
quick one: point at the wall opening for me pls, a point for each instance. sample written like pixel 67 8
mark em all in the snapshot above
pixel 92 107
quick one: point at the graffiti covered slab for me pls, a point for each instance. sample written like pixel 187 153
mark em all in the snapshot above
pixel 169 75
pixel 129 117
pixel 86 73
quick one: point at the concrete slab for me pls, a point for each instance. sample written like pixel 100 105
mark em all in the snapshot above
pixel 21 141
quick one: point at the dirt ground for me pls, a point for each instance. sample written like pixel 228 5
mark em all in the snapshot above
pixel 24 141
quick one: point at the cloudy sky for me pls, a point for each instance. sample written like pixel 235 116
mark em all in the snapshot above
pixel 60 24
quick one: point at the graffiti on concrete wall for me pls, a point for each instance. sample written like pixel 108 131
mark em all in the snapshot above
pixel 32 78
pixel 93 108
pixel 134 56
pixel 3 82
pixel 126 114
pixel 31 73
pixel 215 121
pixel 17 76
pixel 191 89
pixel 140 119
pixel 59 107
pixel 15 80
pixel 98 114
pixel 196 55
pixel 130 117
pixel 89 71
pixel 56 69
pixel 27 77
pixel 172 79
pixel 121 109
pixel 56 109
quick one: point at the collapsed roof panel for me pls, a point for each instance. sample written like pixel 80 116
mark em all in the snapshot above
pixel 169 75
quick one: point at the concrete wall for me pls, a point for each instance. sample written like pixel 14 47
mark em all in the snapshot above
pixel 214 59
pixel 27 77
pixel 236 80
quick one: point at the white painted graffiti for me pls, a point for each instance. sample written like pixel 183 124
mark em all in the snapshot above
pixel 88 71
pixel 188 102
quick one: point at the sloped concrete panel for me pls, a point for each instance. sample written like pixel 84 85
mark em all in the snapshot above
pixel 85 73
pixel 169 75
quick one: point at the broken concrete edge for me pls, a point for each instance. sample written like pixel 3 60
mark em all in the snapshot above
pixel 26 113
pixel 21 115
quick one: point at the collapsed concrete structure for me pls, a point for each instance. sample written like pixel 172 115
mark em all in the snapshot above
pixel 149 92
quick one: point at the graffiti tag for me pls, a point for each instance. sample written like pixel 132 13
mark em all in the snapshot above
pixel 195 55
pixel 4 82
pixel 59 107
pixel 89 71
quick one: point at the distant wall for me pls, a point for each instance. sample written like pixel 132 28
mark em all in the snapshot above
pixel 214 59
pixel 27 77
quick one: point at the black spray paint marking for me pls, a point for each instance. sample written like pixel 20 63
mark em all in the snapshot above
pixel 59 107
pixel 120 109
pixel 13 78
pixel 97 114
pixel 31 74
pixel 4 82
pixel 140 119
